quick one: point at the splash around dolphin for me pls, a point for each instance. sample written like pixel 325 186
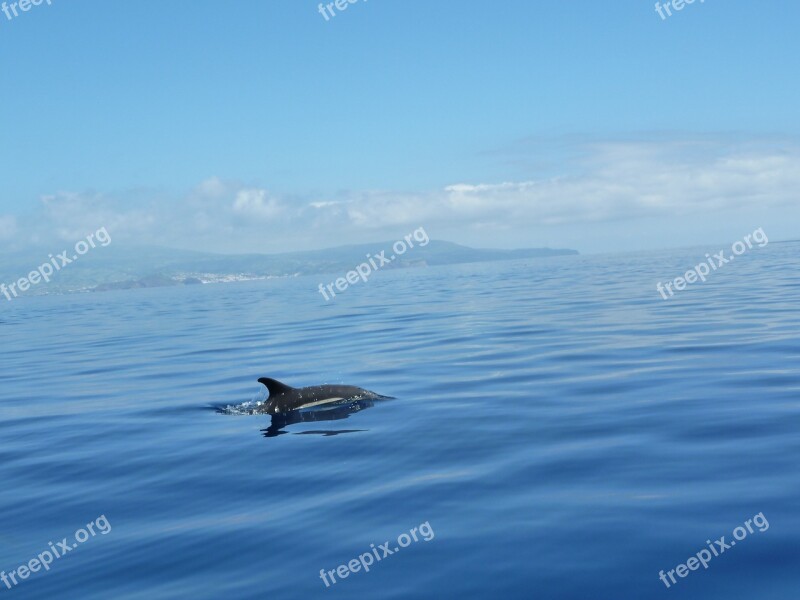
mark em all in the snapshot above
pixel 284 398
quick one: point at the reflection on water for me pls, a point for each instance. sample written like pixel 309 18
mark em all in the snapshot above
pixel 333 413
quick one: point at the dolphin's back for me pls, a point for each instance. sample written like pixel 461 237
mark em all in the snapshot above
pixel 342 391
pixel 284 398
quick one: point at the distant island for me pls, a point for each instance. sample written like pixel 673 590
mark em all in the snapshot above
pixel 123 268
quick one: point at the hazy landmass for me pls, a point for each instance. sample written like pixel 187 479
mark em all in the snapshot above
pixel 118 267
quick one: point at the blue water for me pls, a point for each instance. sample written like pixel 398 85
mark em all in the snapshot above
pixel 563 431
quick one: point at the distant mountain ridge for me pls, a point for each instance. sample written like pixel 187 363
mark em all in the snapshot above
pixel 129 267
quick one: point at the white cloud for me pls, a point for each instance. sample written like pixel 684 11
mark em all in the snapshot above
pixel 256 203
pixel 8 226
pixel 212 187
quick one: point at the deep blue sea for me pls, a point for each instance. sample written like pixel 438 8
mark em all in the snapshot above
pixel 559 431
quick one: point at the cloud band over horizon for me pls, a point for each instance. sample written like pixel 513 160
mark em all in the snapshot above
pixel 612 185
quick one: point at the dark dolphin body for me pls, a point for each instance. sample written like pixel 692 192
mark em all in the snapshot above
pixel 283 398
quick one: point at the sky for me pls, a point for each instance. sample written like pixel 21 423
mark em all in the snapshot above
pixel 262 126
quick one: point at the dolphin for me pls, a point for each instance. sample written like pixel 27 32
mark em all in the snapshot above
pixel 283 398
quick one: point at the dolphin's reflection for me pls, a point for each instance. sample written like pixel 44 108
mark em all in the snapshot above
pixel 330 413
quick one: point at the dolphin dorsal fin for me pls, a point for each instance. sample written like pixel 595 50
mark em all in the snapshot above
pixel 275 387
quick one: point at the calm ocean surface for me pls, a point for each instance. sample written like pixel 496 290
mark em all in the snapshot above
pixel 566 433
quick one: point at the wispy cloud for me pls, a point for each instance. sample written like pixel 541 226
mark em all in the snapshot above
pixel 8 227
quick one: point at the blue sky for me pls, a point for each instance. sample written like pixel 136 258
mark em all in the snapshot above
pixel 260 126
